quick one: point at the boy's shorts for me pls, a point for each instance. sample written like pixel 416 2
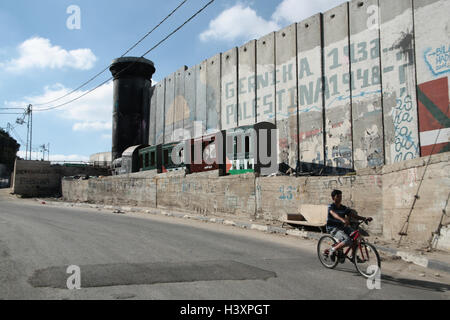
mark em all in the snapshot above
pixel 341 234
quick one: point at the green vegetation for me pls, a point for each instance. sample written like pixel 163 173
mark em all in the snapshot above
pixel 8 151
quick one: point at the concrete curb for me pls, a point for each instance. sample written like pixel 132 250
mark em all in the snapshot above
pixel 406 256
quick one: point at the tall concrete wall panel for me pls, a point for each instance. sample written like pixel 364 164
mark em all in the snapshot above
pixel 181 108
pixel 310 87
pixel 229 100
pixel 190 96
pixel 152 117
pixel 338 124
pixel 213 93
pixel 160 112
pixel 200 100
pixel 367 115
pixel 247 84
pixel 265 78
pixel 401 135
pixel 169 108
pixel 432 39
pixel 286 94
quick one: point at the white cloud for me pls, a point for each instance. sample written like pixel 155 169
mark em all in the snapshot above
pixel 237 22
pixel 290 11
pixel 92 112
pixel 40 53
pixel 243 23
pixel 92 126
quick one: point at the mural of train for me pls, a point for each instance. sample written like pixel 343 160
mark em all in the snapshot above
pixel 233 151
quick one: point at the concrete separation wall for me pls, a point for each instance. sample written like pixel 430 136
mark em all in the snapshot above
pixel 386 194
pixel 364 84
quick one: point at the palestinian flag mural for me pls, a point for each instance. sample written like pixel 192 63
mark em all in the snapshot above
pixel 434 122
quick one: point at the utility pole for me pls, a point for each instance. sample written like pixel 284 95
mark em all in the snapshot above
pixel 45 149
pixel 28 133
pixel 30 115
pixel 20 121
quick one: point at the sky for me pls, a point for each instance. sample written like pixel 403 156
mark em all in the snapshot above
pixel 48 48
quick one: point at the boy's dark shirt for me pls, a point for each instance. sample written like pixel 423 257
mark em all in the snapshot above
pixel 342 212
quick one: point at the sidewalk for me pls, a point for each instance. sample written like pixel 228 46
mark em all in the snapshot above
pixel 435 260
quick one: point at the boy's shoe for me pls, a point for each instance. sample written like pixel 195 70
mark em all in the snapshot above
pixel 341 256
pixel 332 255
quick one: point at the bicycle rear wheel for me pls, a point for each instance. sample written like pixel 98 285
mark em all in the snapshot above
pixel 367 260
pixel 323 250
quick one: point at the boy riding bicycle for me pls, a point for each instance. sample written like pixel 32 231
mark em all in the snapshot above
pixel 338 223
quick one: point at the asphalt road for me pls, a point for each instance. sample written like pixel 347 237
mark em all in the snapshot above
pixel 136 256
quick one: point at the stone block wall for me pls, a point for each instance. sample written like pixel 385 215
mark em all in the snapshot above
pixel 384 193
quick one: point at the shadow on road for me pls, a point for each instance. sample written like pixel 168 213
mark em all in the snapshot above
pixel 404 282
pixel 416 284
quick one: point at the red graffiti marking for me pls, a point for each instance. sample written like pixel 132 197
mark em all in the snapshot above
pixel 307 134
pixel 336 125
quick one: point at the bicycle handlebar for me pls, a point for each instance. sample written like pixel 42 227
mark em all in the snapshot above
pixel 365 220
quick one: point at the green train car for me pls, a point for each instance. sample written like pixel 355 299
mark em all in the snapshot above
pixel 147 158
pixel 159 157
pixel 241 157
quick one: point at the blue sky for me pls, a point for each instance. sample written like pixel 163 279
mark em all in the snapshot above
pixel 42 59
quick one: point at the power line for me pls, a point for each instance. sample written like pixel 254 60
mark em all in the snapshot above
pixel 181 26
pixel 131 48
pixel 130 65
pixel 75 99
pixel 153 29
pixel 17 136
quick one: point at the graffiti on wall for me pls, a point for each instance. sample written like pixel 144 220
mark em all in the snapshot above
pixel 346 181
pixel 405 145
pixel 438 59
pixel 289 193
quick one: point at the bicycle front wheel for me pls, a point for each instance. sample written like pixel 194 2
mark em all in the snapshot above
pixel 323 251
pixel 367 260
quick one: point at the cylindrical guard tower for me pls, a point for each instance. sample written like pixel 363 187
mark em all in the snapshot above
pixel 131 102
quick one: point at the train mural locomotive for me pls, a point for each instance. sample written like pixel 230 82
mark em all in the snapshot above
pixel 233 151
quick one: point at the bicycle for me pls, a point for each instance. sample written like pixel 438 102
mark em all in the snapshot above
pixel 363 253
